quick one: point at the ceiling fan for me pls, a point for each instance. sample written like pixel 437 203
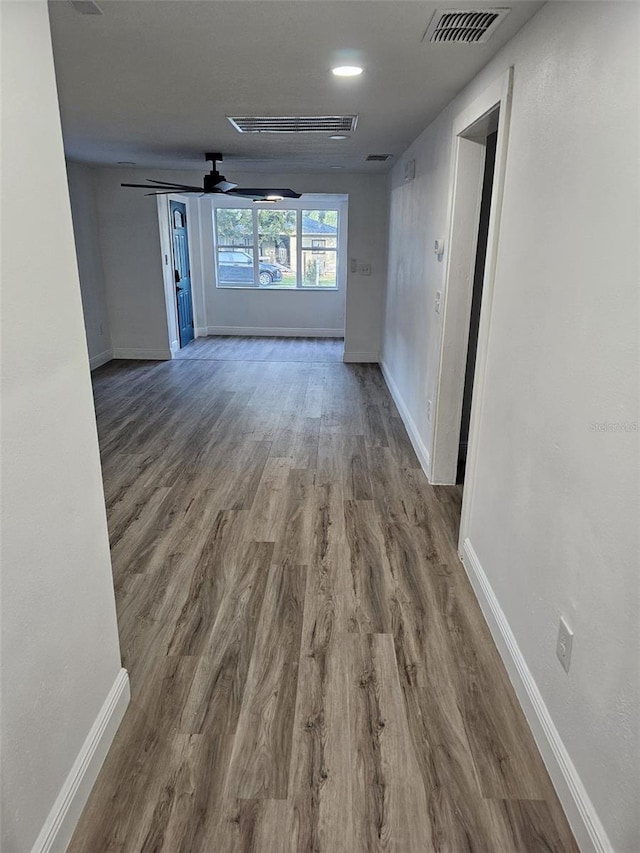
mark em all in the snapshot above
pixel 214 182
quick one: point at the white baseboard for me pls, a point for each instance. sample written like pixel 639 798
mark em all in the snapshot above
pixel 100 359
pixel 63 817
pixel 361 357
pixel 581 814
pixel 143 354
pixel 175 347
pixel 274 332
pixel 418 445
pixel 201 331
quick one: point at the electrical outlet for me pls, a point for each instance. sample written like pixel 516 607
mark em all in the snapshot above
pixel 429 410
pixel 565 643
pixel 365 269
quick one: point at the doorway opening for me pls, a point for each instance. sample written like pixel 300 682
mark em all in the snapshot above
pixel 476 300
pixel 479 154
pixel 181 271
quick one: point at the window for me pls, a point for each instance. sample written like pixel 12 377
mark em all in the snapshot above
pixel 278 247
pixel 319 248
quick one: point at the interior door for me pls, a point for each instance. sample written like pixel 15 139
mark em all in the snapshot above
pixel 181 271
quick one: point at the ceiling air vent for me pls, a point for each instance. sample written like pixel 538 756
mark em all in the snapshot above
pixel 460 26
pixel 294 124
pixel 378 158
pixel 86 7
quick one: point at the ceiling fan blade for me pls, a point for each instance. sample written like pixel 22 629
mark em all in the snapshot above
pixel 170 188
pixel 142 186
pixel 172 184
pixel 263 192
pixel 174 192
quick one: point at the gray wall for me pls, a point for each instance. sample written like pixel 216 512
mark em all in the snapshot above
pixel 135 282
pixel 60 653
pixel 554 508
pixel 87 239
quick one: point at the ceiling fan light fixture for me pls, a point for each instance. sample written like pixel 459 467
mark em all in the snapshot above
pixel 347 70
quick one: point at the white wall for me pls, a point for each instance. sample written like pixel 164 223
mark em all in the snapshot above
pixel 60 654
pixel 87 239
pixel 554 514
pixel 304 312
pixel 133 264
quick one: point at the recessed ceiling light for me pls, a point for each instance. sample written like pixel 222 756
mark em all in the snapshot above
pixel 347 71
pixel 338 136
pixel 337 167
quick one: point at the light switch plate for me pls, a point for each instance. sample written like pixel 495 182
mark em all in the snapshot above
pixel 409 171
pixel 565 644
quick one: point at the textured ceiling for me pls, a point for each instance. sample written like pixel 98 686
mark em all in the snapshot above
pixel 151 81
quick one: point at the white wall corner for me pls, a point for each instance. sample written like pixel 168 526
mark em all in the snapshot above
pixel 59 826
pixel 581 814
pixel 201 331
pixel 361 357
pixel 100 359
pixel 418 445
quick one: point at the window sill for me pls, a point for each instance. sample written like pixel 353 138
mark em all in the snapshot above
pixel 279 288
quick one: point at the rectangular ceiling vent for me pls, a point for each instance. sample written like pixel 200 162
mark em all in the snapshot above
pixel 378 158
pixel 294 124
pixel 86 7
pixel 460 26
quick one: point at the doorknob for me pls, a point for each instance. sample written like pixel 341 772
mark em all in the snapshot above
pixel 176 275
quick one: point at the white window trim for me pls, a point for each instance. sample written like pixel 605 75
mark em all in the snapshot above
pixel 309 201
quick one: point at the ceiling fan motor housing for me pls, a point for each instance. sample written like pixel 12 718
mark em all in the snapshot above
pixel 212 180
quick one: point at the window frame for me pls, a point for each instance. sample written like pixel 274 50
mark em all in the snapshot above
pixel 323 201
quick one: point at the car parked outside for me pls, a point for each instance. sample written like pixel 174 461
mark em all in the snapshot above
pixel 236 267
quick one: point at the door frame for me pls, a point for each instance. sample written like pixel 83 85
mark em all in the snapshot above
pixel 187 215
pixel 470 129
pixel 166 248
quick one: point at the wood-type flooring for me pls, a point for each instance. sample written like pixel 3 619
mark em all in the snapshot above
pixel 310 670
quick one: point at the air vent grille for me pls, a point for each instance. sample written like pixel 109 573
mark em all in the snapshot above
pixel 86 7
pixel 378 158
pixel 459 26
pixel 294 124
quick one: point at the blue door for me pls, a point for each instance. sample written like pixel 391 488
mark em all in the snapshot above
pixel 181 271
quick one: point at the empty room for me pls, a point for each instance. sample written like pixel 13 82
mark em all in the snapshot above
pixel 320 426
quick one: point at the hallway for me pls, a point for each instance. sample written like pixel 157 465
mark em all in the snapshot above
pixel 309 667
